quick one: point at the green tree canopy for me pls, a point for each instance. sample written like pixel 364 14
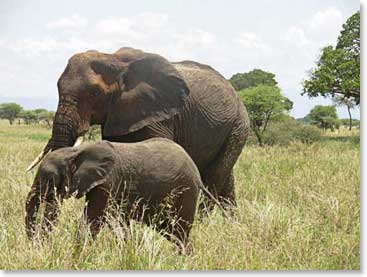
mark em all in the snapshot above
pixel 28 116
pixel 40 111
pixel 263 103
pixel 324 117
pixel 252 78
pixel 46 116
pixel 10 111
pixel 337 71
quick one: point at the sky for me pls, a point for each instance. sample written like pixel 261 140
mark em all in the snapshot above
pixel 284 37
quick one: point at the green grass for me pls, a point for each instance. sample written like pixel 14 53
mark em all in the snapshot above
pixel 298 209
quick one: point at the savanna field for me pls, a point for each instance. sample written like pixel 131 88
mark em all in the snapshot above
pixel 298 208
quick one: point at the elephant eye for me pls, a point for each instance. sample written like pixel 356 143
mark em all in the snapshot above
pixel 95 92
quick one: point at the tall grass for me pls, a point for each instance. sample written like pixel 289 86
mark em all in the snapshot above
pixel 298 208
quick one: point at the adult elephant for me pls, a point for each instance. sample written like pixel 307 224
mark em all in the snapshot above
pixel 135 95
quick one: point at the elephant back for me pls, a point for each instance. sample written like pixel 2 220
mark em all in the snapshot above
pixel 214 95
pixel 153 168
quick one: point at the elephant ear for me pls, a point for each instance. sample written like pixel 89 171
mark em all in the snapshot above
pixel 93 165
pixel 153 91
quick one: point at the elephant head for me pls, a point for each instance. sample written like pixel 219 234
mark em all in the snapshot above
pixel 66 172
pixel 123 92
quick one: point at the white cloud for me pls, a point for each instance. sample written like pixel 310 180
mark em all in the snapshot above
pixel 319 30
pixel 141 31
pixel 331 17
pixel 48 55
pixel 296 35
pixel 74 22
pixel 149 22
pixel 136 27
pixel 324 27
pixel 303 41
pixel 106 34
pixel 193 38
pixel 250 40
pixel 114 27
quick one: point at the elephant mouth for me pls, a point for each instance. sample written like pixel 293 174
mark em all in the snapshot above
pixel 48 148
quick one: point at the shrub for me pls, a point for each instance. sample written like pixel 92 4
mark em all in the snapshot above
pixel 287 130
pixel 307 134
pixel 94 133
pixel 281 133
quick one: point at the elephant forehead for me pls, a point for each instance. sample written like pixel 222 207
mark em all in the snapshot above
pixel 74 76
pixel 78 67
pixel 49 169
pixel 53 157
pixel 85 56
pixel 47 173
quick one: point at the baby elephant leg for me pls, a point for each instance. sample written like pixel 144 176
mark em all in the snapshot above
pixel 180 218
pixel 95 209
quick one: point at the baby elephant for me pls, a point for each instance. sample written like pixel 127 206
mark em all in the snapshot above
pixel 154 180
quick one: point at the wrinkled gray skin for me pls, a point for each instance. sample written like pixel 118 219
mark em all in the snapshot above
pixel 148 173
pixel 135 95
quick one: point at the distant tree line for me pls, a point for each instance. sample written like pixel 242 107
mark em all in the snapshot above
pixel 336 76
pixel 325 117
pixel 16 113
pixel 268 111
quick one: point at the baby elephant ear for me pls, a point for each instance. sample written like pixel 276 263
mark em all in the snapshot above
pixel 94 165
pixel 152 91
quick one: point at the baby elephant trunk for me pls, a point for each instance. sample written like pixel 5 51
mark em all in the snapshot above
pixel 35 197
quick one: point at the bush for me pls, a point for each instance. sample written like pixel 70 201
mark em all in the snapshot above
pixel 307 134
pixel 94 133
pixel 345 122
pixel 287 130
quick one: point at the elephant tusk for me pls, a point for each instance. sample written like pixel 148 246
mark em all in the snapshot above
pixel 78 141
pixel 38 158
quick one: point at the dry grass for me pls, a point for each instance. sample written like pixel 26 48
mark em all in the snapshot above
pixel 298 209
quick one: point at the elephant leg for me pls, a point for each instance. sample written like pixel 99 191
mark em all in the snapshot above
pixel 179 219
pixel 178 233
pixel 218 176
pixel 95 209
pixel 227 196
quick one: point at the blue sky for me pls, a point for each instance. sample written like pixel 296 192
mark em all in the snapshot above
pixel 284 37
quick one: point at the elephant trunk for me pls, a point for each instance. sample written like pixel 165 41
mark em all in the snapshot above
pixel 52 211
pixel 35 197
pixel 32 205
pixel 67 129
pixel 67 126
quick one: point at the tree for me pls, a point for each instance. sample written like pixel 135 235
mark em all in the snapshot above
pixel 46 116
pixel 325 117
pixel 28 116
pixel 264 103
pixel 342 101
pixel 94 132
pixel 253 78
pixel 10 111
pixel 305 120
pixel 337 72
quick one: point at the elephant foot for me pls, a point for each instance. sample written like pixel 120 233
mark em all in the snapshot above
pixel 187 250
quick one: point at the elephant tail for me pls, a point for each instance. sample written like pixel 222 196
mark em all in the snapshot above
pixel 209 194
